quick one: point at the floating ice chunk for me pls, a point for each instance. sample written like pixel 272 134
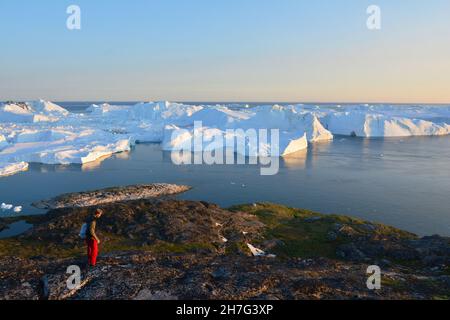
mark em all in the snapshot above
pixel 18 209
pixel 294 145
pixel 5 206
pixel 7 169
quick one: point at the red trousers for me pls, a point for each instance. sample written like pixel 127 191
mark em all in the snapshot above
pixel 92 251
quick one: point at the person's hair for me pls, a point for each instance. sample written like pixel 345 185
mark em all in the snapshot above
pixel 98 211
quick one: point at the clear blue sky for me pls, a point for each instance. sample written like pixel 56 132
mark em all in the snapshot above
pixel 226 50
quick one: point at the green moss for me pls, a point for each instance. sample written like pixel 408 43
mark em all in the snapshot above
pixel 300 238
pixel 441 297
pixel 27 249
pixel 111 243
pixel 238 247
pixel 393 283
pixel 309 238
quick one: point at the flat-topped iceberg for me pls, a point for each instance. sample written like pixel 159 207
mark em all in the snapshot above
pixel 44 132
pixel 378 125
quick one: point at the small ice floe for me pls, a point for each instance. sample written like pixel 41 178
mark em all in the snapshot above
pixel 5 206
pixel 233 183
pixel 18 209
pixel 244 186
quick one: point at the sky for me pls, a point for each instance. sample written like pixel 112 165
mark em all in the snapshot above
pixel 226 50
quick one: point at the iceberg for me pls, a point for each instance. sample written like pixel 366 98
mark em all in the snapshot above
pixel 5 206
pixel 44 132
pixel 377 125
pixel 36 111
pixel 205 139
pixel 7 169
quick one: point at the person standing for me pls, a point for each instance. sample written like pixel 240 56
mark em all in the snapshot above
pixel 92 240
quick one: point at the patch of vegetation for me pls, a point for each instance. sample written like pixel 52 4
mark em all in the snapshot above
pixel 441 297
pixel 306 233
pixel 28 249
pixel 394 284
pixel 237 247
pixel 300 237
pixel 111 243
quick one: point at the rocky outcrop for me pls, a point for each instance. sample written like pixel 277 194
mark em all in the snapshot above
pixel 158 249
pixel 99 197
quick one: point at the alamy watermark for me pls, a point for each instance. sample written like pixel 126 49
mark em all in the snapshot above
pixel 74 19
pixel 374 19
pixel 74 280
pixel 374 280
pixel 201 145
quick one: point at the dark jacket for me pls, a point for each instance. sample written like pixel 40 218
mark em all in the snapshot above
pixel 90 230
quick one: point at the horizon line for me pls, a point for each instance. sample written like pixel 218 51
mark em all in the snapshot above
pixel 227 101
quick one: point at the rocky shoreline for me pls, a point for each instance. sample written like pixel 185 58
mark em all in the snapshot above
pixel 157 249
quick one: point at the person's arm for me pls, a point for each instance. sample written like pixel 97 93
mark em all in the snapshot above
pixel 92 230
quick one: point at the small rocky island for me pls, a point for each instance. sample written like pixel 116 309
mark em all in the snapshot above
pixel 111 195
pixel 163 248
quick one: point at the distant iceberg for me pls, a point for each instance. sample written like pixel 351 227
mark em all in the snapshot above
pixel 36 111
pixel 7 169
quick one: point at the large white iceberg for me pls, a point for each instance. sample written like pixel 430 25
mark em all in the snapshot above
pixel 243 142
pixel 362 124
